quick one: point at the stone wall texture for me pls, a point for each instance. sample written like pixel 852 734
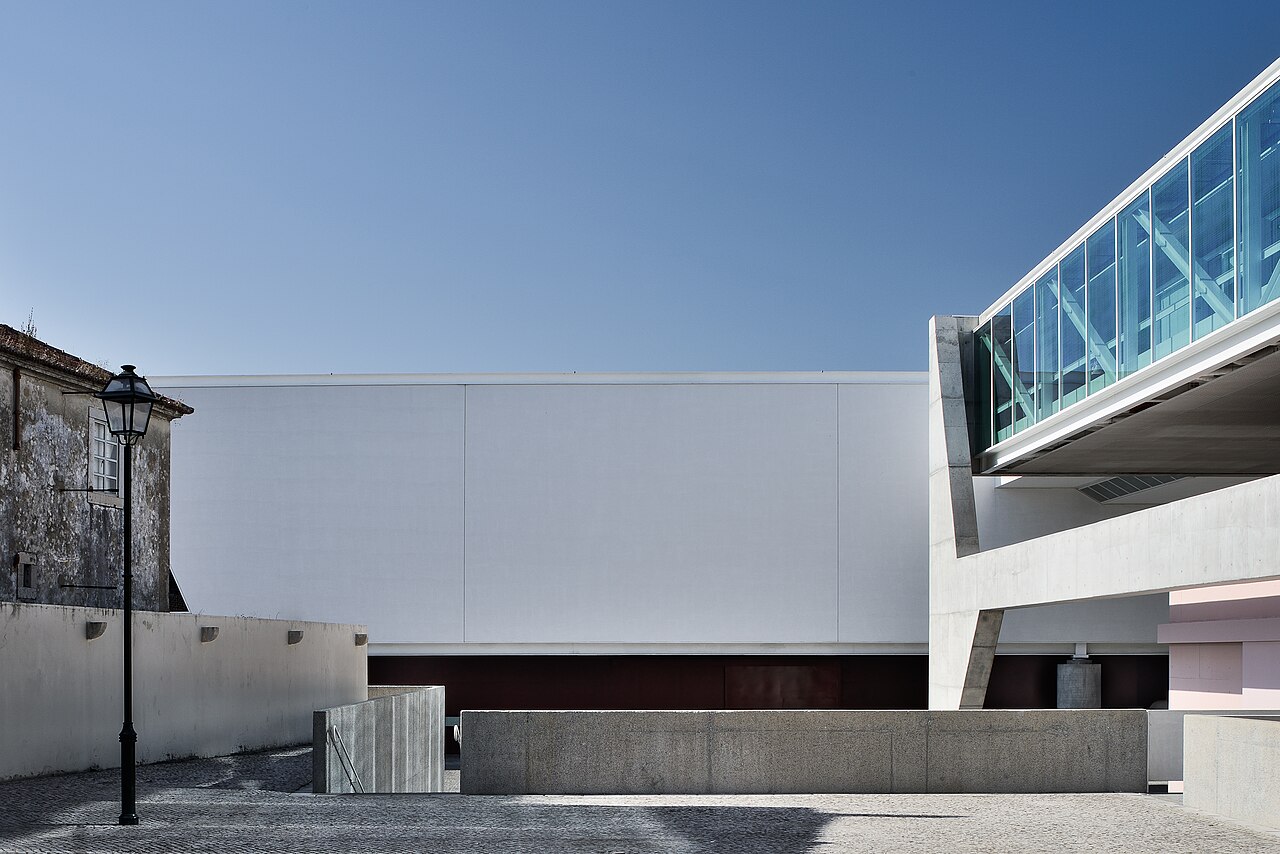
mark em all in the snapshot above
pixel 76 537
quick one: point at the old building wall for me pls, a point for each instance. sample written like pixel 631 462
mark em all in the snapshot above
pixel 74 536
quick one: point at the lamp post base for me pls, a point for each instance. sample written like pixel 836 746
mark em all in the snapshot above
pixel 128 774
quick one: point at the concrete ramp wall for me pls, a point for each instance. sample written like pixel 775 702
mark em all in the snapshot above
pixel 743 752
pixel 392 743
pixel 203 685
pixel 1165 738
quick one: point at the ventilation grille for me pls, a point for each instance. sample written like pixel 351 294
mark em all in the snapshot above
pixel 1119 487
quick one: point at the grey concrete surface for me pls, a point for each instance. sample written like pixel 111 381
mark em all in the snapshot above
pixel 962 640
pixel 1164 738
pixel 1232 767
pixel 247 690
pixel 247 804
pixel 1079 684
pixel 792 751
pixel 388 744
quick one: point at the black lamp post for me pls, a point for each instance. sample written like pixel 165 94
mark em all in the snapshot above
pixel 127 400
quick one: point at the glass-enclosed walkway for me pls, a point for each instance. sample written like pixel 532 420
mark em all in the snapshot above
pixel 1193 251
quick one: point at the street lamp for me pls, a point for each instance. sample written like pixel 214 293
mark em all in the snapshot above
pixel 127 400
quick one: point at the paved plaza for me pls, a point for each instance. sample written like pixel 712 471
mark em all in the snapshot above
pixel 260 802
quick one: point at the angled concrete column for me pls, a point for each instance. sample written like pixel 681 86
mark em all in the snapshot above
pixel 962 643
pixel 982 655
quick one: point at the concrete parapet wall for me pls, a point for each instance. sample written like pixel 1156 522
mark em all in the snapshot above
pixel 1165 738
pixel 391 743
pixel 1232 767
pixel 243 687
pixel 809 751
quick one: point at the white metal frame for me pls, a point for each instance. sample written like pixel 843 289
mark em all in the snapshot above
pixel 100 439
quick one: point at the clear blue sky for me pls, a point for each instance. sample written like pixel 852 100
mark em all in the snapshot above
pixel 258 187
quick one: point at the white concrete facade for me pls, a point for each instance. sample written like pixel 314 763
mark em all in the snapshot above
pixel 1216 538
pixel 613 513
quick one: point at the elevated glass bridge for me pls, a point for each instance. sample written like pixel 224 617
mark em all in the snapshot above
pixel 1190 252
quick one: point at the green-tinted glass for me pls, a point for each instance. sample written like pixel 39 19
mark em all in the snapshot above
pixel 1024 360
pixel 1100 264
pixel 1258 190
pixel 1213 246
pixel 1133 267
pixel 1047 394
pixel 1071 342
pixel 1171 299
pixel 1002 373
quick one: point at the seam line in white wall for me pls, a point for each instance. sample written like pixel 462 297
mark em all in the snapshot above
pixel 839 567
pixel 464 514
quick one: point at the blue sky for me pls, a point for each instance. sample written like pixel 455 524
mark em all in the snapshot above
pixel 323 187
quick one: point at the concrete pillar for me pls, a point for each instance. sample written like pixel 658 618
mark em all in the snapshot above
pixel 982 657
pixel 961 644
pixel 1079 684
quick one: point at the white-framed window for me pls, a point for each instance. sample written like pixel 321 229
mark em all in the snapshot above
pixel 104 457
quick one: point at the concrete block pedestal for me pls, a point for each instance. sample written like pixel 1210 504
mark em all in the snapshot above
pixel 1079 684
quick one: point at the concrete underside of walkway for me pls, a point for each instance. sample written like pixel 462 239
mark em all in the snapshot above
pixel 250 803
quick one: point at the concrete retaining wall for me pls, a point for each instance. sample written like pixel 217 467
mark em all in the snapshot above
pixel 1232 767
pixel 1165 739
pixel 248 688
pixel 392 743
pixel 731 752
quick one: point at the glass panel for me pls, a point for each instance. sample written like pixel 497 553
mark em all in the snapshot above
pixel 1101 264
pixel 1169 266
pixel 1258 164
pixel 1024 360
pixel 104 453
pixel 1047 344
pixel 982 388
pixel 1002 372
pixel 1212 239
pixel 1071 293
pixel 1133 267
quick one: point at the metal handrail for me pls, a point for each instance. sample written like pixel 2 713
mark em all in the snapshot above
pixel 344 759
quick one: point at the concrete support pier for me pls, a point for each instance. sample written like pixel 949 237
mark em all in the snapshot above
pixel 1079 684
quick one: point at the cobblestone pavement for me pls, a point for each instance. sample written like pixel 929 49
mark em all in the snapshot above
pixel 251 803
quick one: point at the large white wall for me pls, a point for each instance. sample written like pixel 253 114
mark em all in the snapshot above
pixel 590 513
pixel 778 512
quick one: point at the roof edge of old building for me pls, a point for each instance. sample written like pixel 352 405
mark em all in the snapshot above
pixel 24 347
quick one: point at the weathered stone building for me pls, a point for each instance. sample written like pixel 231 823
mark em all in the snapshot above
pixel 61 504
